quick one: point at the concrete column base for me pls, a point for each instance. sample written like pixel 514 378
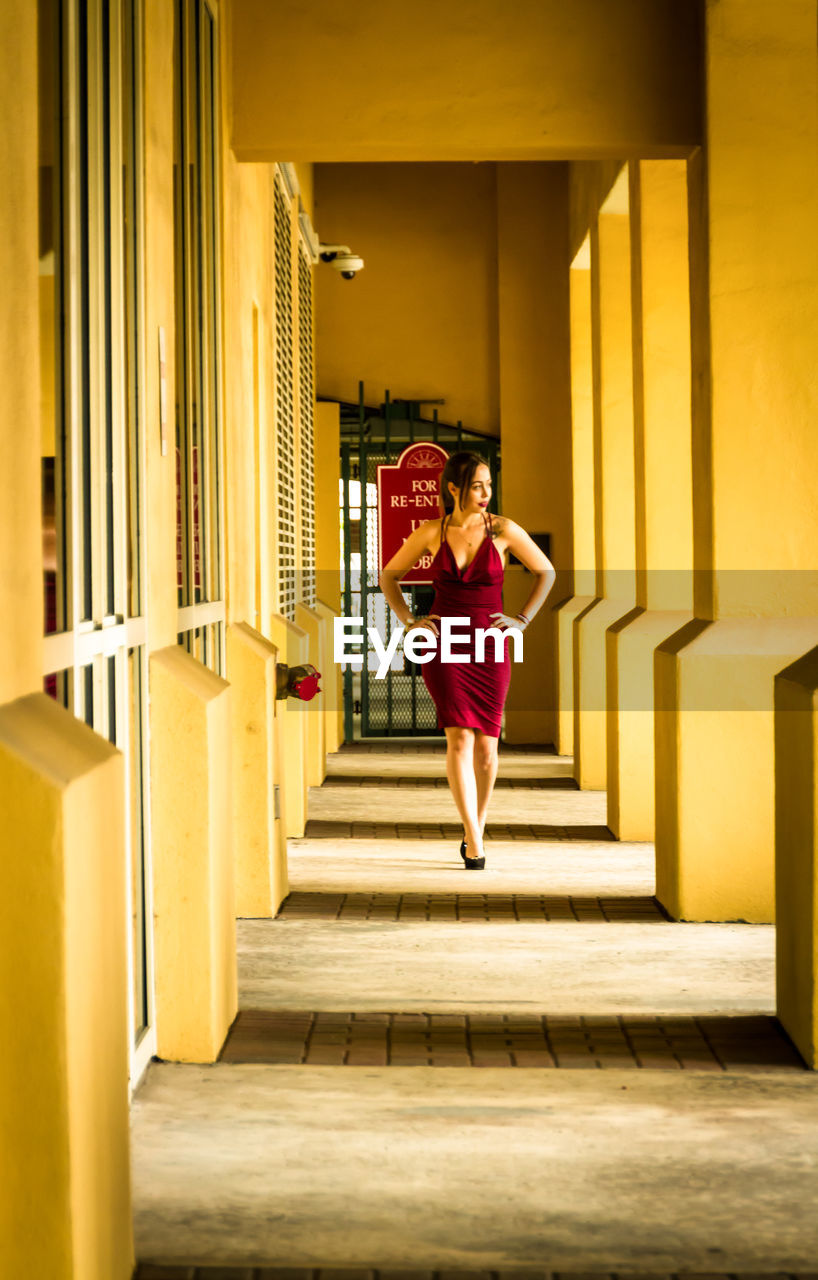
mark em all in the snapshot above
pixel 715 764
pixel 309 620
pixel 796 852
pixel 259 843
pixel 590 690
pixel 332 683
pixel 631 776
pixel 65 1210
pixel 565 614
pixel 293 646
pixel 192 849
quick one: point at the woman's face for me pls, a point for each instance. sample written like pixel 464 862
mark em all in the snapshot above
pixel 478 494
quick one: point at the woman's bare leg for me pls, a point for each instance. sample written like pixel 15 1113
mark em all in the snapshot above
pixel 461 775
pixel 485 772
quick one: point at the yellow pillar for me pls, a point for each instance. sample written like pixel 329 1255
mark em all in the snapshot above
pixel 292 644
pixel 796 852
pixel 535 413
pixel 327 502
pixel 596 734
pixel 192 848
pixel 64 1161
pixel 310 621
pixel 259 842
pixel 755 450
pixel 663 482
pixel 584 498
pixel 332 682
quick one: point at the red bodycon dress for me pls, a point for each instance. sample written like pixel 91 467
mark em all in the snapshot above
pixel 469 695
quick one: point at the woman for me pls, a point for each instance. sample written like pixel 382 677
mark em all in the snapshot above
pixel 469 545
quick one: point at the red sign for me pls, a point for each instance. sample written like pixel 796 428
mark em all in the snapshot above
pixel 408 495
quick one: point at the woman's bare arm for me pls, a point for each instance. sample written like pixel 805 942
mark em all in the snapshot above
pixel 514 537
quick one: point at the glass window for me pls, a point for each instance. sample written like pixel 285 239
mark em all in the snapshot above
pixel 51 113
pixel 90 321
pixel 198 502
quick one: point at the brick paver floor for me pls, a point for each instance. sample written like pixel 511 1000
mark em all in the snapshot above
pixel 740 1045
pixel 422 746
pixel 148 1272
pixel 468 907
pixel 395 780
pixel 321 828
pixel 496 1040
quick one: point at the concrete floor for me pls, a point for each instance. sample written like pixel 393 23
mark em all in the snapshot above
pixel 429 1167
pixel 581 867
pixel 562 968
pixel 435 804
pixel 422 1167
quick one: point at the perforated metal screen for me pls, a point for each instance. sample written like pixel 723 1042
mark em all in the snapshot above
pixel 285 406
pixel 306 398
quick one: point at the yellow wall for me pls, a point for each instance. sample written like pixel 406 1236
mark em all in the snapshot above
pixel 21 554
pixel 258 850
pixel 310 621
pixel 464 81
pixel 160 486
pixel 796 839
pixel 535 411
pixel 305 174
pixel 193 876
pixel 664 508
pixel 589 185
pixel 292 645
pixel 582 412
pixel 754 305
pixel 66 1211
pixel 332 683
pixel 616 374
pixel 584 521
pixel 64 1161
pixel 327 508
pixel 421 318
pixel 763 264
pixel 249 399
pixel 597 725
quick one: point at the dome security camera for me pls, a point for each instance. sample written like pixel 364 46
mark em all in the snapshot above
pixel 342 259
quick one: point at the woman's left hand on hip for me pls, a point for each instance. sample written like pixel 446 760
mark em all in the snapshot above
pixel 503 621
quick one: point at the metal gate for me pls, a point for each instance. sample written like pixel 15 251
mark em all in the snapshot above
pixel 398 705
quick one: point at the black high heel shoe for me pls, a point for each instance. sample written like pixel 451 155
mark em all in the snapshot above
pixel 472 864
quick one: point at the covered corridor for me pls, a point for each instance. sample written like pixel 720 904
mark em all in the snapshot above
pixel 257 1017
pixel 431 1076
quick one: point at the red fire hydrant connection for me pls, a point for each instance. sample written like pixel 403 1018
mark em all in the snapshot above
pixel 297 682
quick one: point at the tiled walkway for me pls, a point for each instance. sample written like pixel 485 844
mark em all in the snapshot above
pixel 323 829
pixel 466 906
pixel 307 1273
pixel 547 1078
pixel 452 1040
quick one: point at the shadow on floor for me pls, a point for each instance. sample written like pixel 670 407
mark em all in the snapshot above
pixel 149 1272
pixel 508 907
pixel 739 1043
pixel 326 829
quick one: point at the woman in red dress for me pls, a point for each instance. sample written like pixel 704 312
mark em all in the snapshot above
pixel 469 546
